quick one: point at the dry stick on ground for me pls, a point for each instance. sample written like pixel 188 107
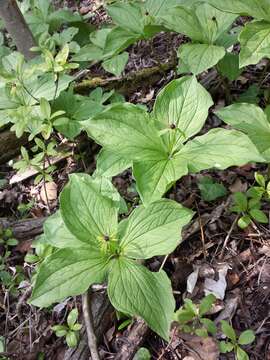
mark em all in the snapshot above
pixel 17 27
pixel 89 325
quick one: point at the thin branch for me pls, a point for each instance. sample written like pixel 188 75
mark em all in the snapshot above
pixel 88 320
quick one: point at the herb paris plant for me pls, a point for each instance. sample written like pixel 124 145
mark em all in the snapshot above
pixel 159 144
pixel 94 248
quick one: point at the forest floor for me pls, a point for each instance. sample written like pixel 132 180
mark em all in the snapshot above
pixel 214 247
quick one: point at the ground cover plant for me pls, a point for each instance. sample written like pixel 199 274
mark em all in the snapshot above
pixel 134 179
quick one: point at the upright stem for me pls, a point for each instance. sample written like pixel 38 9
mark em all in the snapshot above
pixel 17 27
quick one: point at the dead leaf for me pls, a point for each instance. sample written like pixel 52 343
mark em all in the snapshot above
pixel 218 287
pixel 206 348
pixel 238 186
pixel 48 191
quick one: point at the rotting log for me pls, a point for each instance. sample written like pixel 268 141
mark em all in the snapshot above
pixel 17 27
pixel 24 229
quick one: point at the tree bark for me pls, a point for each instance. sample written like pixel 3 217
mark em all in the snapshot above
pixel 10 145
pixel 17 27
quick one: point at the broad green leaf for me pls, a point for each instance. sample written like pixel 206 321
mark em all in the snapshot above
pixel 154 230
pixel 229 66
pixel 155 176
pixel 57 234
pixel 68 272
pixel 142 354
pixel 246 337
pixel 202 23
pixel 244 221
pixel 225 346
pixel 259 216
pixel 160 7
pixel 211 190
pixel 87 213
pixel 241 354
pixel 209 325
pixel 240 200
pixel 220 149
pixel 199 57
pixel 250 96
pixel 183 103
pixel 259 9
pixel 255 43
pixel 110 164
pixel 99 37
pixel 134 290
pixel 72 317
pixel 206 304
pixel 116 64
pixel 128 16
pixel 228 330
pixel 118 40
pixel 252 121
pixel 71 339
pixel 88 52
pixel 127 130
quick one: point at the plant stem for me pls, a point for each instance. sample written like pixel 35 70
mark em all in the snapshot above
pixel 88 320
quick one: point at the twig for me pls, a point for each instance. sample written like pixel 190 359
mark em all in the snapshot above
pixel 228 237
pixel 88 320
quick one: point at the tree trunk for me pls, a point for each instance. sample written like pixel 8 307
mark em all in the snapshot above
pixel 10 145
pixel 17 27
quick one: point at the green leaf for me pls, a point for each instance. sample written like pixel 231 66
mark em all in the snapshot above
pixel 201 332
pixel 203 23
pixel 240 200
pixel 45 108
pixel 211 190
pixel 241 354
pixel 72 317
pixel 244 221
pixel 58 235
pixel 134 290
pixel 206 304
pixel 110 164
pixel 142 354
pixel 86 212
pixel 259 216
pixel 155 230
pixel 71 339
pixel 210 325
pixel 256 8
pixel 155 176
pixel 246 337
pixel 68 272
pixel 225 347
pixel 228 330
pixel 252 121
pixel 118 40
pixel 89 52
pixel 184 315
pixel 220 149
pixel 199 57
pixel 116 64
pixel 260 179
pixel 184 103
pixel 255 42
pixel 128 16
pixel 229 66
pixel 127 130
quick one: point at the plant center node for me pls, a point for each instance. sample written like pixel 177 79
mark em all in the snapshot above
pixel 172 126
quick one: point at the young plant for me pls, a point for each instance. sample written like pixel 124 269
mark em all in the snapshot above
pixel 191 317
pixel 208 29
pixel 249 208
pixel 158 144
pixel 233 343
pixel 70 330
pixel 256 34
pixel 95 248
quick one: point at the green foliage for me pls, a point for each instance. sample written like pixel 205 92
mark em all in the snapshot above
pixel 191 317
pixel 233 343
pixel 142 354
pixel 207 27
pixel 211 190
pixel 70 330
pixel 158 144
pixel 249 205
pixel 98 249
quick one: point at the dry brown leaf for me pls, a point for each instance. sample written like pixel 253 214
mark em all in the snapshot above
pixel 206 348
pixel 48 190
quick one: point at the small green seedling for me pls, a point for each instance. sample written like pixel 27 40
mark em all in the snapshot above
pixel 191 317
pixel 249 204
pixel 70 330
pixel 233 343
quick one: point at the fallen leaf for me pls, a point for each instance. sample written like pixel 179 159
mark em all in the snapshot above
pixel 206 348
pixel 218 287
pixel 48 190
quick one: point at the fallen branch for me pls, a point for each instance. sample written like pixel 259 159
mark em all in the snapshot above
pixel 89 325
pixel 24 229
